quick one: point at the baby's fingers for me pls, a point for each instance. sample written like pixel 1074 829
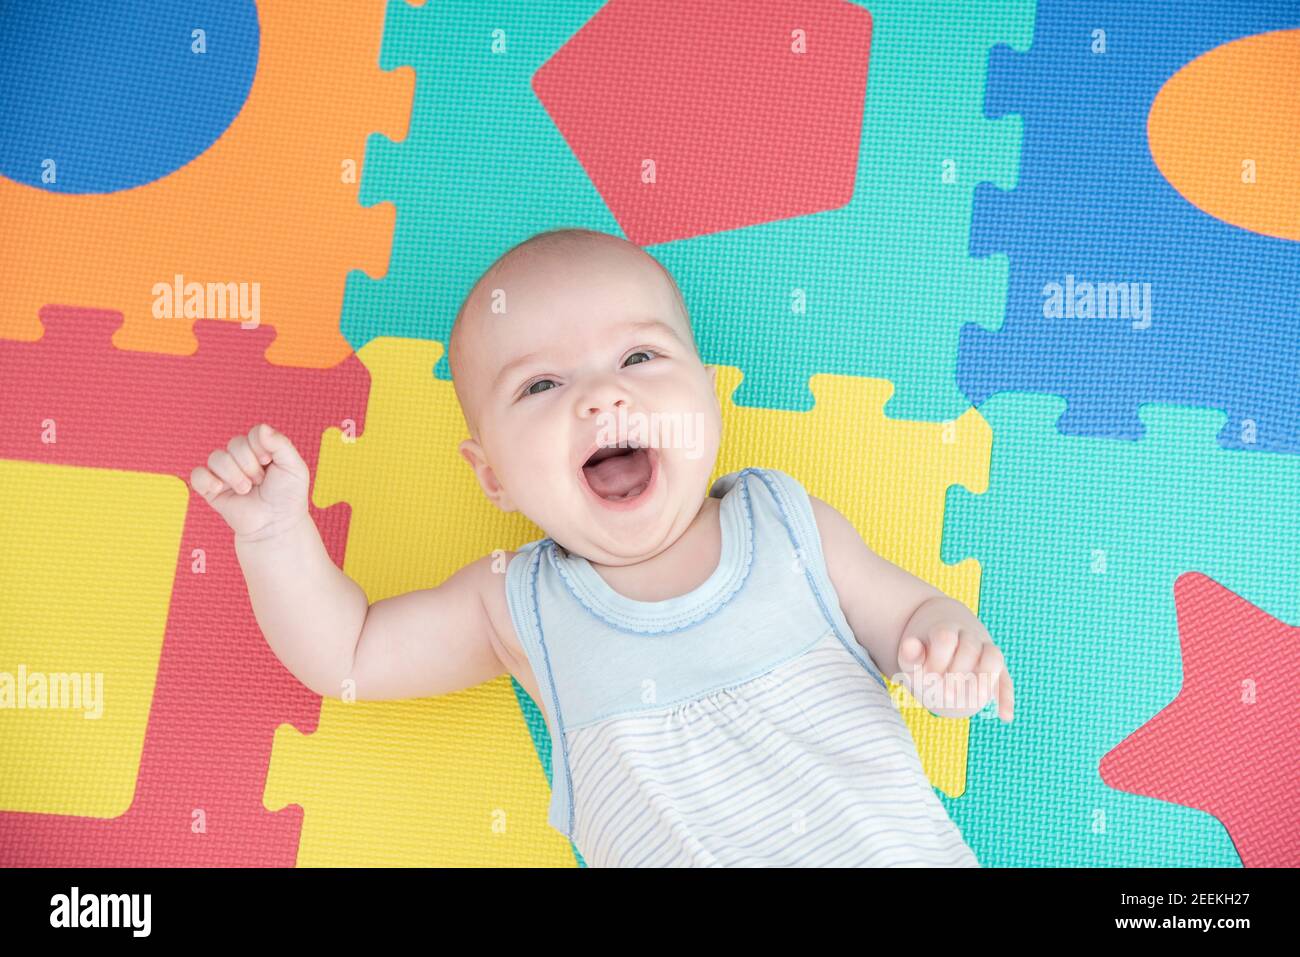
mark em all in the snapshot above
pixel 911 652
pixel 992 663
pixel 223 465
pixel 272 446
pixel 244 456
pixel 256 443
pixel 1006 696
pixel 206 484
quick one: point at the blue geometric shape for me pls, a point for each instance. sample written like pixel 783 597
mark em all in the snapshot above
pixel 1224 308
pixel 113 93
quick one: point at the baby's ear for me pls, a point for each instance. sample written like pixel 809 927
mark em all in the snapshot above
pixel 487 480
pixel 713 375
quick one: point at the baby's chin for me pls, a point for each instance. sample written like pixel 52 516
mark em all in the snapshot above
pixel 623 530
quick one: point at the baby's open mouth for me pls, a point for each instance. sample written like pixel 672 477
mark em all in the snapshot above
pixel 619 474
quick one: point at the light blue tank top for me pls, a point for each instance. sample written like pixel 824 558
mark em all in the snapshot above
pixel 740 724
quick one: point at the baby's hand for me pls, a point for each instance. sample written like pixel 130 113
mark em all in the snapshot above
pixel 954 670
pixel 258 484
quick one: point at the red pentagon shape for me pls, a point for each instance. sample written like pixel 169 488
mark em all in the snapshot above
pixel 741 113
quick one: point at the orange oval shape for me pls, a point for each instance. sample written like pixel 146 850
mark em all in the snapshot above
pixel 1225 132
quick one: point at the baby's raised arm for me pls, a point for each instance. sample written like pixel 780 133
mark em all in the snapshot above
pixel 913 631
pixel 316 619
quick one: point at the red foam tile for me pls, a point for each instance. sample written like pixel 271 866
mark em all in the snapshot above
pixel 220 691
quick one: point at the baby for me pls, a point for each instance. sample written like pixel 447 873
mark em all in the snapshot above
pixel 708 656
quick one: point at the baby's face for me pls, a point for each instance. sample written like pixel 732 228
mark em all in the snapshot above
pixel 584 350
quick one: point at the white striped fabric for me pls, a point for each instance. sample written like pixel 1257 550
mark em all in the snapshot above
pixel 808 765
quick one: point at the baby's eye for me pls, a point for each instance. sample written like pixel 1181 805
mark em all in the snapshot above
pixel 529 390
pixel 640 352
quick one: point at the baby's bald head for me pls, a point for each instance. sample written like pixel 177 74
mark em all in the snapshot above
pixel 574 252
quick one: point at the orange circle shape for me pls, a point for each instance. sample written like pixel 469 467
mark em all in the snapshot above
pixel 1231 116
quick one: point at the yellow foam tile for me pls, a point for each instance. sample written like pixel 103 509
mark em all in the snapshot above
pixel 87 561
pixel 451 781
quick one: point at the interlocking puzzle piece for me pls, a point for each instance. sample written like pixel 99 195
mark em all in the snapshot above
pixel 70 399
pixel 1229 744
pixel 268 207
pixel 127 93
pixel 699 118
pixel 452 780
pixel 481 167
pixel 1226 141
pixel 1080 541
pixel 87 558
pixel 1199 312
pixel 879 287
pixel 456 778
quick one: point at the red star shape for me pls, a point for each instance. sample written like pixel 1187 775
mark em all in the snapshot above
pixel 1229 743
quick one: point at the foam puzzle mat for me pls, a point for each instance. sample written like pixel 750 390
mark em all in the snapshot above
pixel 1010 284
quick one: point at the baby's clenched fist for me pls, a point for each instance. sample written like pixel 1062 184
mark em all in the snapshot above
pixel 258 483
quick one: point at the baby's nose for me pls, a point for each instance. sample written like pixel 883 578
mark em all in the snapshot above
pixel 603 396
pixel 600 407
